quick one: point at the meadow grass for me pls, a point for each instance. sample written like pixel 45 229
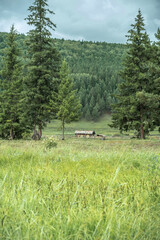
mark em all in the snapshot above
pixel 100 127
pixel 82 189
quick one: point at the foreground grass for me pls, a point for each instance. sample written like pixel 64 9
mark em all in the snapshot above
pixel 83 189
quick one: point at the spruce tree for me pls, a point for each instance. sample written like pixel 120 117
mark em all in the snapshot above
pixel 88 114
pixel 43 68
pixel 137 104
pixel 95 112
pixel 10 90
pixel 68 104
pixel 155 73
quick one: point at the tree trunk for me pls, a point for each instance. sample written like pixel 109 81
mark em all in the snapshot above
pixel 40 131
pixel 141 127
pixel 63 130
pixel 142 131
pixel 11 134
pixel 34 136
pixel 34 131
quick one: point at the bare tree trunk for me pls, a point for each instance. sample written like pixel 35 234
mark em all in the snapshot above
pixel 34 130
pixel 11 134
pixel 40 131
pixel 141 127
pixel 63 129
pixel 142 132
pixel 34 136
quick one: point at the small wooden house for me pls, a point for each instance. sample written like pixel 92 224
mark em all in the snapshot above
pixel 86 134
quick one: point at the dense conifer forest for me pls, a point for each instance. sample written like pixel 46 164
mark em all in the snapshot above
pixel 94 67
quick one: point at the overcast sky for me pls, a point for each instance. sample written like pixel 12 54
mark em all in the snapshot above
pixel 90 20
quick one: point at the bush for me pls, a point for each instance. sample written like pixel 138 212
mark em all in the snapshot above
pixel 50 143
pixel 26 136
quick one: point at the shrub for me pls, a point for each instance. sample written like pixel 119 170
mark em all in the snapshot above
pixel 50 143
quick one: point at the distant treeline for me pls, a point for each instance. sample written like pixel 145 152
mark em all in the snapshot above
pixel 94 67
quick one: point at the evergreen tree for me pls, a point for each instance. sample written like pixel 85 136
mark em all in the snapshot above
pixel 155 73
pixel 92 102
pixel 95 112
pixel 137 104
pixel 94 67
pixel 88 114
pixel 102 105
pixel 10 90
pixel 68 103
pixel 43 68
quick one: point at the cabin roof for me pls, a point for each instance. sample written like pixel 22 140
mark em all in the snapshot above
pixel 77 132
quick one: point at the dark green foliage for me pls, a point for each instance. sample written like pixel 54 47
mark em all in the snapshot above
pixel 155 72
pixel 95 112
pixel 42 68
pixel 94 68
pixel 94 91
pixel 68 104
pixel 137 102
pixel 10 90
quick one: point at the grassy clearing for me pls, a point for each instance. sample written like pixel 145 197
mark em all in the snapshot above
pixel 82 189
pixel 100 127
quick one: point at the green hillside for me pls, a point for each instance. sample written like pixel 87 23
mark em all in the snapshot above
pixel 94 67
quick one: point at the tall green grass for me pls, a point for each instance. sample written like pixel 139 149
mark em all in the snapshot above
pixel 82 189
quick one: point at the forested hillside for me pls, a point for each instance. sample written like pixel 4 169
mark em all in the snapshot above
pixel 94 67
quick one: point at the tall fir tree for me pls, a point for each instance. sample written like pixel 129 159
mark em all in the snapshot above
pixel 43 68
pixel 155 73
pixel 10 90
pixel 137 104
pixel 68 104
